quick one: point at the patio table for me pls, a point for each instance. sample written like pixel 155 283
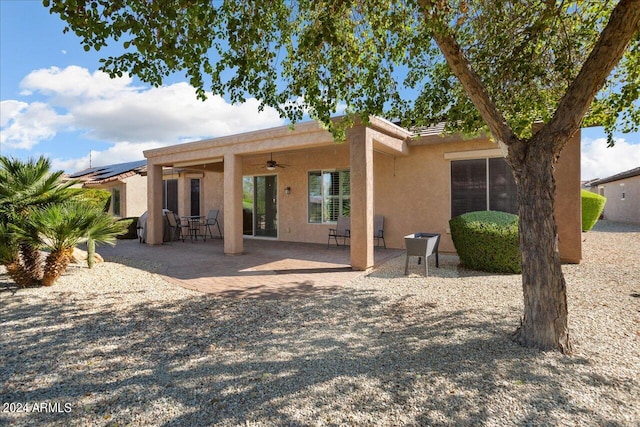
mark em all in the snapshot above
pixel 196 225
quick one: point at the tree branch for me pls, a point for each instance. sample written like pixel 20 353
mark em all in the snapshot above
pixel 470 80
pixel 606 54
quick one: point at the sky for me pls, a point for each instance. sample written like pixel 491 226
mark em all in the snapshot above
pixel 54 102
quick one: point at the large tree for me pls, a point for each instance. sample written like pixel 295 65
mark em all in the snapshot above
pixel 530 72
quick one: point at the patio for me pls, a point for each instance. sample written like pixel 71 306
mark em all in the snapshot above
pixel 267 269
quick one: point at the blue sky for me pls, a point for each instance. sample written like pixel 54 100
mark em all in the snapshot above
pixel 55 103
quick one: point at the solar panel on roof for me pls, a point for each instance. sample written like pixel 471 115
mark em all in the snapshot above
pixel 104 172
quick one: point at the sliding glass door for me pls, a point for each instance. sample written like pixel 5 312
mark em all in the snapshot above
pixel 260 205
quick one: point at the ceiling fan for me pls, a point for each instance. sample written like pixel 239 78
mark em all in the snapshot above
pixel 272 164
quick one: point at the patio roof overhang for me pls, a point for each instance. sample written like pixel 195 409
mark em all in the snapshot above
pixel 209 154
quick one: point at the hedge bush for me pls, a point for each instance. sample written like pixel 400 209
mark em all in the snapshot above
pixel 132 228
pixel 592 207
pixel 487 241
pixel 97 197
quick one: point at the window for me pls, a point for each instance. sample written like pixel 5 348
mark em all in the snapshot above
pixel 170 195
pixel 482 184
pixel 195 197
pixel 624 195
pixel 329 195
pixel 115 201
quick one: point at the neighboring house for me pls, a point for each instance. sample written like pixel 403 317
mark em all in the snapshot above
pixel 293 183
pixel 127 183
pixel 623 195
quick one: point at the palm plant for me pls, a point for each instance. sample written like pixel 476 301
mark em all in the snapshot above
pixel 10 256
pixel 63 226
pixel 25 186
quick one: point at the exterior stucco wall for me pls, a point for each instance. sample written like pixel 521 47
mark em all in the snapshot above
pixel 616 209
pixel 293 224
pixel 412 192
pixel 212 186
pixel 123 193
pixel 414 196
pixel 134 196
pixel 568 210
pixel 292 214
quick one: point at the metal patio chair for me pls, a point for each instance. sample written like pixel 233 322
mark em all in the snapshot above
pixel 342 231
pixel 378 230
pixel 212 221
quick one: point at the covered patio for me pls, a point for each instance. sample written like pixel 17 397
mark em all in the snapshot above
pixel 222 164
pixel 269 268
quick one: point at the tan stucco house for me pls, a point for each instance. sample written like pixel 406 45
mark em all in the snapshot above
pixel 622 191
pixel 292 184
pixel 127 183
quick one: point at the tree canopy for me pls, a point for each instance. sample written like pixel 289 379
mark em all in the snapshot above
pixel 372 56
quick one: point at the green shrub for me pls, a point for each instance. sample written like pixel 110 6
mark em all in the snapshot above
pixel 592 207
pixel 95 196
pixel 487 241
pixel 132 228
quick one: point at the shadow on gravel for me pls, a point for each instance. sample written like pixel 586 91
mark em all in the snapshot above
pixel 221 361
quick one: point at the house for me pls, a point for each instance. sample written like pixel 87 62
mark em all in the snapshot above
pixel 622 191
pixel 127 183
pixel 292 184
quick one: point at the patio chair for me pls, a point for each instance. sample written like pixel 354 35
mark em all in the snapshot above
pixel 212 220
pixel 378 230
pixel 176 228
pixel 342 231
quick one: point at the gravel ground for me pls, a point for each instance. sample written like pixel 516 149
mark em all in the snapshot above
pixel 119 346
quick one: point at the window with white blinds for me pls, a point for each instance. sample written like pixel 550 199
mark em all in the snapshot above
pixel 329 195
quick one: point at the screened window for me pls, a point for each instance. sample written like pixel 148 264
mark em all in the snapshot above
pixel 329 195
pixel 195 197
pixel 170 195
pixel 115 201
pixel 482 184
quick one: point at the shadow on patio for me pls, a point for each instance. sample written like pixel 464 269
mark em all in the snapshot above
pixel 266 269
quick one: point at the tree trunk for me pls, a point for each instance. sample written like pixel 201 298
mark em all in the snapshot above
pixel 19 274
pixel 56 265
pixel 544 324
pixel 32 261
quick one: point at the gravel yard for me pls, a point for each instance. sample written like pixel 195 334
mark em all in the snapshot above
pixel 117 345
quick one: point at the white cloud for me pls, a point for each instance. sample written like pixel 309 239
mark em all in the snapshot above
pixel 600 161
pixel 169 114
pixel 10 109
pixel 25 125
pixel 130 118
pixel 74 85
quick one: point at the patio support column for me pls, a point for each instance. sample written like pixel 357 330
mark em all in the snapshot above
pixel 184 195
pixel 233 244
pixel 361 164
pixel 154 204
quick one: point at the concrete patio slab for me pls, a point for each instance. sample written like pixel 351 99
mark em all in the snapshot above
pixel 266 269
